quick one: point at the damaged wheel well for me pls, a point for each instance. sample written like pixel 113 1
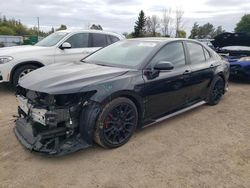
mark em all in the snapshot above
pixel 222 76
pixel 91 112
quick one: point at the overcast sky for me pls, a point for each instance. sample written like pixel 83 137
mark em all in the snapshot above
pixel 119 16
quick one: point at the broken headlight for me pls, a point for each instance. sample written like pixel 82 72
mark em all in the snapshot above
pixel 72 99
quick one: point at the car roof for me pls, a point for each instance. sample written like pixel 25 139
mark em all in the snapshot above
pixel 92 31
pixel 161 39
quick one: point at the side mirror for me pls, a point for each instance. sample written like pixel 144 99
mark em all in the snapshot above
pixel 65 45
pixel 164 65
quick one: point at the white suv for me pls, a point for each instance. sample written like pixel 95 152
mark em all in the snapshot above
pixel 58 47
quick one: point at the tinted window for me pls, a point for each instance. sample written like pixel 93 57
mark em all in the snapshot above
pixel 79 40
pixel 108 40
pixel 173 53
pixel 113 39
pixel 98 40
pixel 207 54
pixel 196 53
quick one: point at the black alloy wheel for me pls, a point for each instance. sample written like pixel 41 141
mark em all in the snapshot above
pixel 216 91
pixel 117 123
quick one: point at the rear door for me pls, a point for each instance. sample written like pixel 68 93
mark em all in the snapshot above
pixel 166 90
pixel 80 43
pixel 202 69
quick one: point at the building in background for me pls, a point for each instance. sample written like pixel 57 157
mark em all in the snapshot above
pixel 7 40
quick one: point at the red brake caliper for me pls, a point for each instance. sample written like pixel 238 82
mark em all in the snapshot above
pixel 107 119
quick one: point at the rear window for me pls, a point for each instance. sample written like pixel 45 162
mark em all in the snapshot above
pixel 207 54
pixel 196 53
pixel 113 39
pixel 99 40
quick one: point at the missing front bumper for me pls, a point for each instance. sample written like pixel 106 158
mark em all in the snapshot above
pixel 52 142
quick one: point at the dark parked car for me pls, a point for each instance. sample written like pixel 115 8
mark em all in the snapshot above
pixel 235 48
pixel 104 98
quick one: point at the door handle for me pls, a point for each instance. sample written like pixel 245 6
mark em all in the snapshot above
pixel 187 72
pixel 212 66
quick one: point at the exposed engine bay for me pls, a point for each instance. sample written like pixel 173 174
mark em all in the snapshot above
pixel 235 48
pixel 50 123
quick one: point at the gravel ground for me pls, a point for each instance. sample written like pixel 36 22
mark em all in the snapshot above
pixel 205 147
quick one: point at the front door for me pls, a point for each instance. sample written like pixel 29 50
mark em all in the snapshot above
pixel 80 48
pixel 166 91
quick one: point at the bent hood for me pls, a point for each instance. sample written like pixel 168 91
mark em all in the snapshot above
pixel 231 39
pixel 64 78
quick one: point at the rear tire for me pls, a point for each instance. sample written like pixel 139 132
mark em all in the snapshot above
pixel 22 71
pixel 116 123
pixel 216 91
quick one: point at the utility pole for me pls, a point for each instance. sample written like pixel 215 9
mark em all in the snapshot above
pixel 38 27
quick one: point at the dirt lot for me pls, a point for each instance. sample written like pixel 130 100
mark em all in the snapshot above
pixel 206 147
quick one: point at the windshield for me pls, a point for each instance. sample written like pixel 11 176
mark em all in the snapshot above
pixel 52 39
pixel 128 53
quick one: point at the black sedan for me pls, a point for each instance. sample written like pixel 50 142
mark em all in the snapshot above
pixel 106 97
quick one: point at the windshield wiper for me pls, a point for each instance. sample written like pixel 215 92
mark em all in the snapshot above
pixel 103 65
pixel 100 64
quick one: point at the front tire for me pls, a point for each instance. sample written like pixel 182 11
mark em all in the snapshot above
pixel 216 91
pixel 22 71
pixel 116 123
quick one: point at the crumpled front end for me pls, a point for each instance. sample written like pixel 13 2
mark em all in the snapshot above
pixel 50 124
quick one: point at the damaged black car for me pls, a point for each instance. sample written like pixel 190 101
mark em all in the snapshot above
pixel 106 97
pixel 235 48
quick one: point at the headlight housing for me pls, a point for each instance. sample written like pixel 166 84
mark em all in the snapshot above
pixel 5 59
pixel 245 58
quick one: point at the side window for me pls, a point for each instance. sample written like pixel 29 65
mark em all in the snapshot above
pixel 99 40
pixel 173 52
pixel 207 54
pixel 109 39
pixel 80 40
pixel 196 53
pixel 113 38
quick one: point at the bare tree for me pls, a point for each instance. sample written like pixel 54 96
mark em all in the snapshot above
pixel 155 24
pixel 152 24
pixel 166 21
pixel 179 20
pixel 148 25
